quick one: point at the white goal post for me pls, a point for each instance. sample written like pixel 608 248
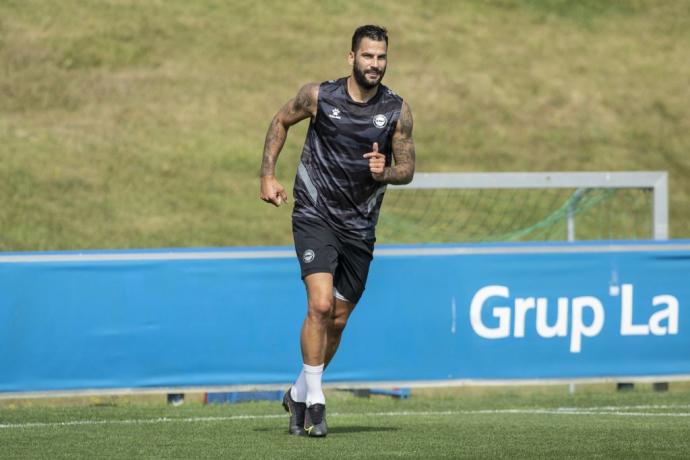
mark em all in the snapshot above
pixel 655 181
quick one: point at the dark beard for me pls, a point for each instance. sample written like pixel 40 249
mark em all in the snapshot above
pixel 361 79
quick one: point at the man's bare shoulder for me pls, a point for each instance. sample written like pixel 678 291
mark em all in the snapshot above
pixel 307 97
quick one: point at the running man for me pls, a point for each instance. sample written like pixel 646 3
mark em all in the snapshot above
pixel 359 140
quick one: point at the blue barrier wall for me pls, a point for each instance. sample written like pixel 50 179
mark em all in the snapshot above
pixel 138 319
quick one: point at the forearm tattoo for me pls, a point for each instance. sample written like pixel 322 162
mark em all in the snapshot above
pixel 275 138
pixel 403 151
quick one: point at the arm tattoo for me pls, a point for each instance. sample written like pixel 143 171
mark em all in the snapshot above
pixel 403 150
pixel 275 138
pixel 297 109
pixel 303 100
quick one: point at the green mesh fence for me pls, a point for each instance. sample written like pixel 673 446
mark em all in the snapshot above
pixel 493 215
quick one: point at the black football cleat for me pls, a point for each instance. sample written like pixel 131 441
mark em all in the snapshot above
pixel 296 411
pixel 315 421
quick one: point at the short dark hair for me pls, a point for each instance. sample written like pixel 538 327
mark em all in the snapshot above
pixel 377 33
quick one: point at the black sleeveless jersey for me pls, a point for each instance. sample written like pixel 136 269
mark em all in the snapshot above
pixel 333 179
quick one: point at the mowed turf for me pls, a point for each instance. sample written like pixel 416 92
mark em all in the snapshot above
pixel 497 423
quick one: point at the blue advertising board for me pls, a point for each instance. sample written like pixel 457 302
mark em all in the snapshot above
pixel 431 313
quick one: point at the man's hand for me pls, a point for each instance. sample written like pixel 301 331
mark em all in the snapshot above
pixel 377 162
pixel 272 192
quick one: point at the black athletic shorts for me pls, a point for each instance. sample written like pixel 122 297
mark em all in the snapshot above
pixel 321 250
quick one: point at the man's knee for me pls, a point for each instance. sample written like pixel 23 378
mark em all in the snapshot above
pixel 321 307
pixel 341 314
pixel 338 324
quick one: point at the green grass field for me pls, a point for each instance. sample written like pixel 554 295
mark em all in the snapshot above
pixel 141 124
pixel 505 422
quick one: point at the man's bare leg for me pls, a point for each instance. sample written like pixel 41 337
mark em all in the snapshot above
pixel 336 325
pixel 313 338
pixel 320 308
pixel 319 314
pixel 312 330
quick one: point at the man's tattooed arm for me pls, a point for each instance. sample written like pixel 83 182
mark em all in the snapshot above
pixel 403 150
pixel 297 109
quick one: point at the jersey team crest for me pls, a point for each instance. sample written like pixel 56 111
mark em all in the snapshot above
pixel 308 256
pixel 380 120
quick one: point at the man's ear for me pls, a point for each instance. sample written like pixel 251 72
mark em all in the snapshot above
pixel 351 58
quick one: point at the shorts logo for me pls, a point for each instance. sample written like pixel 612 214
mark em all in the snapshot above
pixel 380 120
pixel 308 256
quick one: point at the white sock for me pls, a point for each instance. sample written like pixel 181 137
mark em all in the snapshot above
pixel 312 376
pixel 299 389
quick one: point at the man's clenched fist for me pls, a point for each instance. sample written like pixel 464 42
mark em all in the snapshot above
pixel 272 192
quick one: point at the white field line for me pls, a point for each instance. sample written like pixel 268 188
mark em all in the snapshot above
pixel 623 408
pixel 603 410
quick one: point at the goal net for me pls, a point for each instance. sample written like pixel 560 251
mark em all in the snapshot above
pixel 495 207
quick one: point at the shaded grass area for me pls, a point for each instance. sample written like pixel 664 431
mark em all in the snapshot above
pixel 471 422
pixel 128 124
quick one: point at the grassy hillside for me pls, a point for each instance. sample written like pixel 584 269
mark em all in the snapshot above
pixel 141 124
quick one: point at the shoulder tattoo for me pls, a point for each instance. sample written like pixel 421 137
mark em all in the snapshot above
pixel 305 100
